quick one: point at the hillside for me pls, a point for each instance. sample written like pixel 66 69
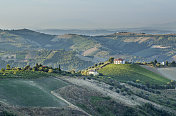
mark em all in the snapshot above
pixel 132 72
pixel 122 43
pixel 12 42
pixel 43 90
pixel 68 60
pixel 145 46
pixel 35 92
pixel 41 40
pixel 34 96
pixel 170 73
pixel 130 46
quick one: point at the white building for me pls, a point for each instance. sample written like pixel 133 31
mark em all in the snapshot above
pixel 162 63
pixel 93 72
pixel 119 61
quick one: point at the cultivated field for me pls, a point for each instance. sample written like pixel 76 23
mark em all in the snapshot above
pixel 33 92
pixel 132 72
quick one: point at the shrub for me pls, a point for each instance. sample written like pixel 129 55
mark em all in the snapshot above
pixel 50 70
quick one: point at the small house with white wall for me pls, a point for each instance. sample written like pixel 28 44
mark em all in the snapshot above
pixel 119 61
pixel 93 72
pixel 162 63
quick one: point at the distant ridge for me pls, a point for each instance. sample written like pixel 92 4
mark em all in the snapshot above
pixel 132 46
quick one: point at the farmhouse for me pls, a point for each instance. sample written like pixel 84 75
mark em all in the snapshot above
pixel 93 72
pixel 119 61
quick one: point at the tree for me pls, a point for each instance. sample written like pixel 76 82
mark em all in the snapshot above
pixel 73 71
pixel 34 69
pixel 27 67
pixel 8 66
pixel 151 62
pixel 41 68
pixel 59 68
pixel 14 72
pixel 79 72
pixel 167 63
pixel 111 59
pixel 144 63
pixel 155 61
pixel 18 69
pixel 2 69
pixel 37 66
pixel 158 64
pixel 46 69
pixel 173 62
pixel 50 70
pixel 137 81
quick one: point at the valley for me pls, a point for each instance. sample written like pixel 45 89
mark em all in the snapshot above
pixel 44 74
pixel 30 47
pixel 87 58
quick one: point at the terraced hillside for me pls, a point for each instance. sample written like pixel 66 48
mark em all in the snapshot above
pixel 132 72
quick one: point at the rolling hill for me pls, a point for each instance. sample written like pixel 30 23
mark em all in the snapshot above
pixel 68 60
pixel 130 46
pixel 35 92
pixel 132 72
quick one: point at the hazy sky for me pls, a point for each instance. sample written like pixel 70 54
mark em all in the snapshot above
pixel 43 14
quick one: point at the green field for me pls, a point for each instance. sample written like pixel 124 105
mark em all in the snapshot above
pixel 132 72
pixel 32 93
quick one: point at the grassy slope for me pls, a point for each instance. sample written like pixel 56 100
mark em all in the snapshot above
pixel 34 92
pixel 168 72
pixel 131 72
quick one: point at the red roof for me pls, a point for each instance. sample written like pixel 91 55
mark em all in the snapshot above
pixel 119 59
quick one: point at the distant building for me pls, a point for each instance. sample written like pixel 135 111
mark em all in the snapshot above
pixel 162 63
pixel 119 61
pixel 93 72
